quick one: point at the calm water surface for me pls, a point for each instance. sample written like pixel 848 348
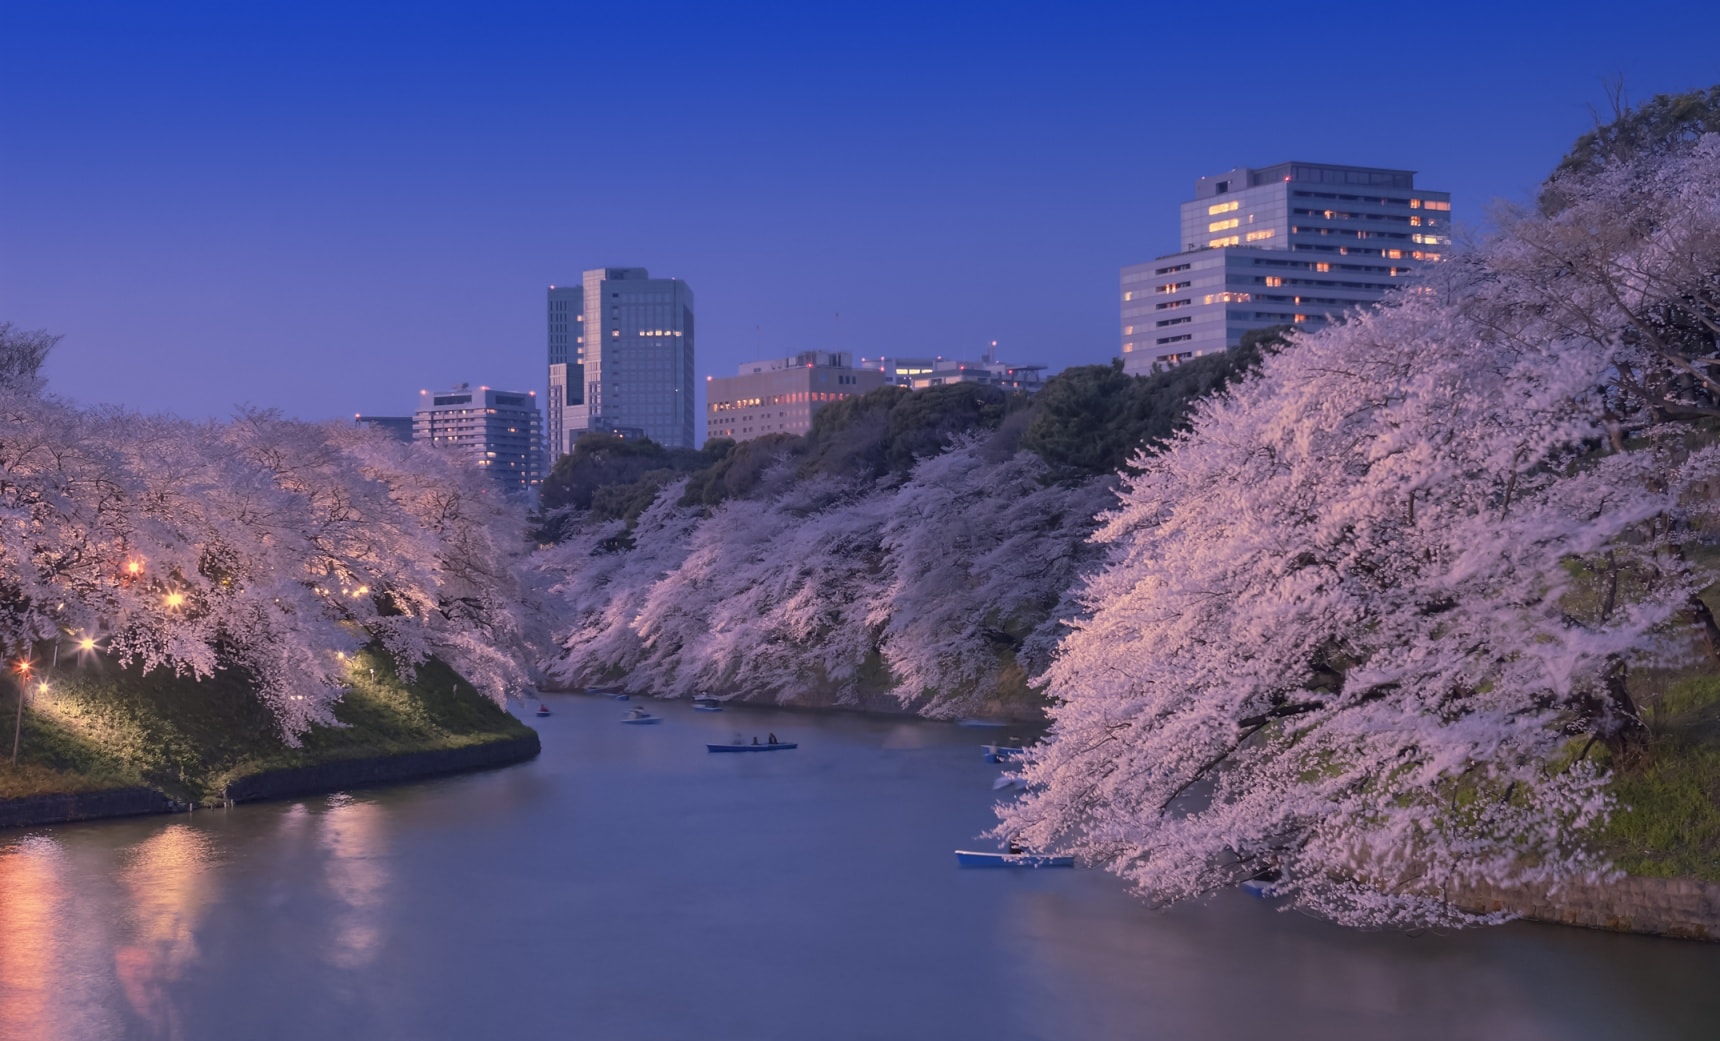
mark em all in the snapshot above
pixel 627 885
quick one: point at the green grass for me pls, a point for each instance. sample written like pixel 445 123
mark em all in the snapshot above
pixel 1669 821
pixel 103 726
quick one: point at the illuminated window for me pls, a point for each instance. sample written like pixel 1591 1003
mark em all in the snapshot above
pixel 1256 236
pixel 1128 296
pixel 1322 266
pixel 1128 330
pixel 1432 205
pixel 1394 254
pixel 1230 240
pixel 1274 280
pixel 1415 222
pixel 1223 207
pixel 1299 319
pixel 1223 225
pixel 1228 298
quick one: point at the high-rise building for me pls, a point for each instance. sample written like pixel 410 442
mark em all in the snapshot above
pixel 498 430
pixel 781 395
pixel 566 354
pixel 624 357
pixel 1293 244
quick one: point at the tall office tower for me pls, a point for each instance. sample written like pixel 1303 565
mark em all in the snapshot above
pixel 632 350
pixel 498 430
pixel 1294 244
pixel 565 410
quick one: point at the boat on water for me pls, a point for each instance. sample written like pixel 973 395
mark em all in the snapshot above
pixel 969 858
pixel 780 746
pixel 542 709
pixel 973 722
pixel 619 697
pixel 1008 781
pixel 998 753
pixel 706 706
pixel 640 716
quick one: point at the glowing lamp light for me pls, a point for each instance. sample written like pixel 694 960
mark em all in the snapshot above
pixel 86 644
pixel 42 687
pixel 175 599
pixel 24 667
pixel 134 567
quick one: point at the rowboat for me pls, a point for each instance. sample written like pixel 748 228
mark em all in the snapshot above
pixel 975 722
pixel 967 858
pixel 706 706
pixel 998 753
pixel 542 709
pixel 640 716
pixel 1008 781
pixel 780 746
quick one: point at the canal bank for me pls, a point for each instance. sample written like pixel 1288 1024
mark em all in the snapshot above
pixel 113 742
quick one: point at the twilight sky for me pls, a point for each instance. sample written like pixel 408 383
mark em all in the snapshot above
pixel 324 207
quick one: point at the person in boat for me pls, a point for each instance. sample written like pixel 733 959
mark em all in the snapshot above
pixel 755 739
pixel 772 739
pixel 1015 847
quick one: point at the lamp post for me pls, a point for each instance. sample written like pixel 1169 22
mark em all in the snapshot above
pixel 18 722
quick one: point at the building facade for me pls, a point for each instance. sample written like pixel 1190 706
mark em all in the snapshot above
pixel 621 356
pixel 781 395
pixel 920 373
pixel 566 354
pixel 498 430
pixel 397 427
pixel 1293 244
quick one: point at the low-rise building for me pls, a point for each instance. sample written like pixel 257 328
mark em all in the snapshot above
pixel 397 427
pixel 501 431
pixel 920 373
pixel 781 395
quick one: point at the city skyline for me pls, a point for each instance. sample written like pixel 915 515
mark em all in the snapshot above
pixel 344 194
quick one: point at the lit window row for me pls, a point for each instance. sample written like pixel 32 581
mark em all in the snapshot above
pixel 1170 287
pixel 1431 204
pixel 1228 240
pixel 1223 225
pixel 1256 236
pixel 1223 207
pixel 1228 298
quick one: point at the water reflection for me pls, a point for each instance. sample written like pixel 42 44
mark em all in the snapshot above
pixel 352 833
pixel 171 882
pixel 31 894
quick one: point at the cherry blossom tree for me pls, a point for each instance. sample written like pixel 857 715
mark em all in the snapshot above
pixel 1362 624
pixel 273 546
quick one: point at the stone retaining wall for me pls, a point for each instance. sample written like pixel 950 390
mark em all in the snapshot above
pixel 77 806
pixel 387 769
pixel 1679 907
pixel 274 784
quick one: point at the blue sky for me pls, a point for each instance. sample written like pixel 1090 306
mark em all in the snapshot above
pixel 323 208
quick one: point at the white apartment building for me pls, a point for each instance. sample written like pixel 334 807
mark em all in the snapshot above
pixel 1293 244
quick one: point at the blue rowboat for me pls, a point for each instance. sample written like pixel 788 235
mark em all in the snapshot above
pixel 641 718
pixel 706 706
pixel 999 753
pixel 967 858
pixel 780 746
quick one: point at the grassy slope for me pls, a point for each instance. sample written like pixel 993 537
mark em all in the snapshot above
pixel 1669 823
pixel 102 726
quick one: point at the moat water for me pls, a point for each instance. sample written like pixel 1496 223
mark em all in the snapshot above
pixel 628 885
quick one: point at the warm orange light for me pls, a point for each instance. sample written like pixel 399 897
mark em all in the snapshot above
pixel 24 667
pixel 175 599
pixel 86 644
pixel 134 568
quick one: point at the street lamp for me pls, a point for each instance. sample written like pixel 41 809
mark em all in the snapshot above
pixel 23 668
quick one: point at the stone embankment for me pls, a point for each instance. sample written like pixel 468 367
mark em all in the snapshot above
pixel 79 806
pixel 37 810
pixel 1686 908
